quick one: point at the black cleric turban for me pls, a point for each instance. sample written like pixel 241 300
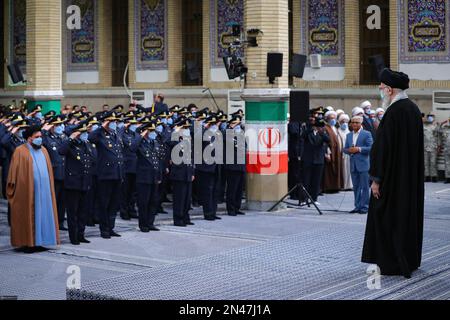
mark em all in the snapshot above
pixel 394 79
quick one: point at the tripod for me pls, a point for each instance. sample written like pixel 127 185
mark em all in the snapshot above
pixel 298 185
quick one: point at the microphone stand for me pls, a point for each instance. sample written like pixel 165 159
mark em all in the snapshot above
pixel 212 96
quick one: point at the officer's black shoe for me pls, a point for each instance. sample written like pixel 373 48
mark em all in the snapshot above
pixel 105 235
pixel 153 228
pixel 190 223
pixel 241 213
pixel 75 243
pixel 434 179
pixel 427 179
pixel 125 216
pixel 134 216
pixel 62 228
pixel 145 230
pixel 232 214
pixel 217 218
pixel 362 212
pixel 115 234
pixel 210 218
pixel 179 224
pixel 84 240
pixel 354 211
pixel 447 181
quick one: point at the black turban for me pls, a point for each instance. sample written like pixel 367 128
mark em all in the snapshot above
pixel 394 79
pixel 30 131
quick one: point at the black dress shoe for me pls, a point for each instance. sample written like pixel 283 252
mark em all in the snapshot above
pixel 177 224
pixel 217 218
pixel 115 234
pixel 354 211
pixel 125 217
pixel 447 181
pixel 241 213
pixel 434 179
pixel 75 243
pixel 190 223
pixel 84 240
pixel 362 212
pixel 145 230
pixel 210 218
pixel 62 228
pixel 232 214
pixel 90 224
pixel 161 211
pixel 427 179
pixel 105 235
pixel 166 200
pixel 153 228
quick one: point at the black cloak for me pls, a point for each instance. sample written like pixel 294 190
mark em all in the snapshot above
pixel 394 230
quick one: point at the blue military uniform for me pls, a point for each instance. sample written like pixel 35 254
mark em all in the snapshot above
pixel 164 140
pixel 150 175
pixel 129 183
pixel 207 181
pixel 181 176
pixel 9 143
pixel 109 175
pixel 79 160
pixel 52 142
pixel 235 172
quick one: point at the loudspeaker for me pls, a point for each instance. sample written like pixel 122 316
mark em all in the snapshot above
pixel 298 64
pixel 274 66
pixel 299 106
pixel 377 62
pixel 15 73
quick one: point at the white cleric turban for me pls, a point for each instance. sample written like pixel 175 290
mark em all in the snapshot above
pixel 340 111
pixel 343 116
pixel 357 110
pixel 379 110
pixel 329 108
pixel 329 113
pixel 365 104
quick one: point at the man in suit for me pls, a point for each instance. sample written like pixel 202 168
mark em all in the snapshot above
pixel 358 145
pixel 313 154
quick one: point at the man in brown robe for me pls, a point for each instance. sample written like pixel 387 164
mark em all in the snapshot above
pixel 333 168
pixel 30 192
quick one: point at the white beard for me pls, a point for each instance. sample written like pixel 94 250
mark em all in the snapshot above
pixel 386 102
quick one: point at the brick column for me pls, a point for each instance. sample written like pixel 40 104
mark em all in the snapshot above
pixel 266 105
pixel 44 70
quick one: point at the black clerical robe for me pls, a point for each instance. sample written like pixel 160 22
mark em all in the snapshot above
pixel 394 230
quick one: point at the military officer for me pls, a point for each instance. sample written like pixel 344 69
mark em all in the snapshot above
pixel 445 143
pixel 53 136
pixel 431 148
pixel 79 158
pixel 150 174
pixel 12 139
pixel 129 134
pixel 35 116
pixel 92 202
pixel 206 172
pixel 182 175
pixel 109 172
pixel 235 171
pixel 221 179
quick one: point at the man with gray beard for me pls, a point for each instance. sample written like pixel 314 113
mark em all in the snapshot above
pixel 394 230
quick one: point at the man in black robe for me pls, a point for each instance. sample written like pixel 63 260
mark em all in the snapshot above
pixel 394 230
